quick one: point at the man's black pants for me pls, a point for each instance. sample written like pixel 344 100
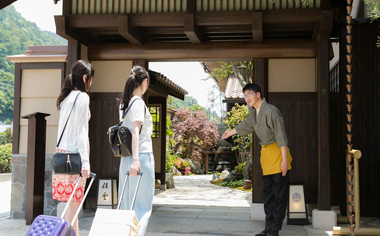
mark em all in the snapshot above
pixel 276 194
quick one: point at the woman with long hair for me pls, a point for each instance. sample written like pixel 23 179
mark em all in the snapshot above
pixel 139 122
pixel 75 136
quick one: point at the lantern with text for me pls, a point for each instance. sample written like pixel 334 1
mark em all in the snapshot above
pixel 297 211
pixel 107 193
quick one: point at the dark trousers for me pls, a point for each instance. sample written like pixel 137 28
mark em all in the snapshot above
pixel 276 194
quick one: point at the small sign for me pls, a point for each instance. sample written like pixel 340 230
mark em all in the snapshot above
pixel 107 193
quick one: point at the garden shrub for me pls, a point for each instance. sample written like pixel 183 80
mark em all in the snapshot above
pixel 6 158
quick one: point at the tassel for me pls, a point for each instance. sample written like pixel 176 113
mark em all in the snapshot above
pixel 68 164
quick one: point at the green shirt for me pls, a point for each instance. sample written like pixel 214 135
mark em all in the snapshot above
pixel 268 126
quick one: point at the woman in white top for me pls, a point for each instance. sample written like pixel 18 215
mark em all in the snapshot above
pixel 75 137
pixel 139 121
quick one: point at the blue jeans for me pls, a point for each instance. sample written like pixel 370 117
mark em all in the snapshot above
pixel 145 193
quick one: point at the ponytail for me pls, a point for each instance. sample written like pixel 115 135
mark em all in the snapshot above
pixel 138 74
pixel 75 80
pixel 68 86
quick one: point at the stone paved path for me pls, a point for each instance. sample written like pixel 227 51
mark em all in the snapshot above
pixel 194 208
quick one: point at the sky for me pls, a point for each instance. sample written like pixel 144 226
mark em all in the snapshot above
pixel 188 75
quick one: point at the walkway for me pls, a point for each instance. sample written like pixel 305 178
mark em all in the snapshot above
pixel 194 208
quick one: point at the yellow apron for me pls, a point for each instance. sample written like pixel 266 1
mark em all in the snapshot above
pixel 271 158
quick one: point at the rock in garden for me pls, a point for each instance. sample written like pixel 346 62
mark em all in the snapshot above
pixel 214 177
pixel 224 174
pixel 169 181
pixel 230 178
pixel 176 172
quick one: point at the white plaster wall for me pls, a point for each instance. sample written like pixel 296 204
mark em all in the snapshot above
pixel 110 76
pixel 39 93
pixel 292 75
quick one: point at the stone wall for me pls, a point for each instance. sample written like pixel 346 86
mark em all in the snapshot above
pixel 19 187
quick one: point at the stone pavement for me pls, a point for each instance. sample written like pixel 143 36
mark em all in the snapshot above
pixel 194 208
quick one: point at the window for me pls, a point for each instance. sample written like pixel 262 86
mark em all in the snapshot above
pixel 155 112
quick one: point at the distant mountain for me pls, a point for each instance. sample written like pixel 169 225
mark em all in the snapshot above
pixel 16 34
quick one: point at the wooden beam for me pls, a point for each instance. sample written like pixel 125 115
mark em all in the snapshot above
pixel 5 3
pixel 64 30
pixel 132 34
pixel 175 19
pixel 325 26
pixel 208 50
pixel 191 30
pixel 323 90
pixel 257 27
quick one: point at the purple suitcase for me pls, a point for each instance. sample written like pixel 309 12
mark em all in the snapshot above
pixel 44 225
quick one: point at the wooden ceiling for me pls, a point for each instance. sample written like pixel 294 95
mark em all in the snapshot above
pixel 196 28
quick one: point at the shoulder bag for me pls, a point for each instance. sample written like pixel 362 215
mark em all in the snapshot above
pixel 120 138
pixel 67 163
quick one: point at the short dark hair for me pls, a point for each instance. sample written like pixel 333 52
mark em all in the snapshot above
pixel 253 87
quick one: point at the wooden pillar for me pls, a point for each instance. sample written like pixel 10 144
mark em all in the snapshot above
pixel 261 75
pixel 73 54
pixel 35 170
pixel 16 109
pixel 163 139
pixel 67 6
pixel 260 78
pixel 143 63
pixel 323 91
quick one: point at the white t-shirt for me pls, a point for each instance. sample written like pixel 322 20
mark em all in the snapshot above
pixel 75 137
pixel 139 112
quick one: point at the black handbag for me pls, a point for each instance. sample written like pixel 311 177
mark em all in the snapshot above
pixel 67 163
pixel 120 138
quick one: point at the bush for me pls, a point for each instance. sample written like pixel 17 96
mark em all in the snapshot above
pixel 6 158
pixel 240 168
pixel 182 165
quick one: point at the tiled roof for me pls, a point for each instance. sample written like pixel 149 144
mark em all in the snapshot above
pixel 233 88
pixel 163 82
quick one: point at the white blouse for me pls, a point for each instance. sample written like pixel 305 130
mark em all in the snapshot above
pixel 139 112
pixel 75 137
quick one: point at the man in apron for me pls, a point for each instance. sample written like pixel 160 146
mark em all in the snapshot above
pixel 266 121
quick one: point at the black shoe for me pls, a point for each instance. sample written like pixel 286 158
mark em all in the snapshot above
pixel 264 233
pixel 272 234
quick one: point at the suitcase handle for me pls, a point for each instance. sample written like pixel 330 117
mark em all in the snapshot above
pixel 93 176
pixel 125 184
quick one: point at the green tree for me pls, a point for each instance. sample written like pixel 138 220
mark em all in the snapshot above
pixel 242 143
pixel 15 37
pixel 373 7
pixel 243 70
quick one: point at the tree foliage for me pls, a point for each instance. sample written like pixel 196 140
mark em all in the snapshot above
pixel 6 158
pixel 6 137
pixel 242 143
pixel 16 34
pixel 193 134
pixel 373 7
pixel 243 70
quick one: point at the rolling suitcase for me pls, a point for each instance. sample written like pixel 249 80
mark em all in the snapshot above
pixel 57 226
pixel 117 222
